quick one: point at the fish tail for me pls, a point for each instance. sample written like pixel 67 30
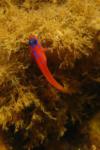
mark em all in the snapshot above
pixel 50 78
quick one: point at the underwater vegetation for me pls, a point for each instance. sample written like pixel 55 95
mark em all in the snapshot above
pixel 33 114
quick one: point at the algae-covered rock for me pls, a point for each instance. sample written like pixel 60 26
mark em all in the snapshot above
pixel 94 136
pixel 32 112
pixel 3 143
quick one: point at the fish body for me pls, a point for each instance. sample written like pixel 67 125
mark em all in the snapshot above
pixel 38 53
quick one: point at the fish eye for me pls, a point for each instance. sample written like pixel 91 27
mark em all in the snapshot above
pixel 33 42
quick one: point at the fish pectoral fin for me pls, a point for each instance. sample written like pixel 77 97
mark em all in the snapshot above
pixel 45 49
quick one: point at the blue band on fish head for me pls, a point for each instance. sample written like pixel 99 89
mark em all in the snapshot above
pixel 33 42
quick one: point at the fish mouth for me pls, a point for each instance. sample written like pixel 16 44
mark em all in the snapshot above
pixel 32 37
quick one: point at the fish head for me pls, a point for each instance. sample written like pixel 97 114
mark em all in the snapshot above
pixel 33 41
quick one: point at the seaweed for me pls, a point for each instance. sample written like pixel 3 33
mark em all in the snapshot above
pixel 34 115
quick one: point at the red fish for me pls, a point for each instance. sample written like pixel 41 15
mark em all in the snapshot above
pixel 38 53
